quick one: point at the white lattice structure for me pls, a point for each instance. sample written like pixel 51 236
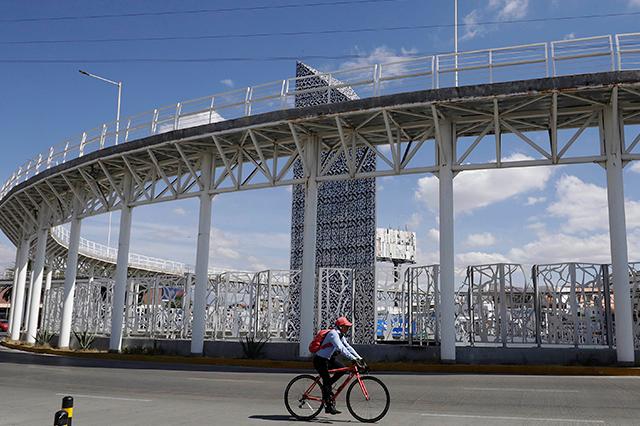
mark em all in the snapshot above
pixel 502 304
pixel 391 302
pixel 634 281
pixel 335 297
pixel 573 304
pixel 274 305
pixel 435 130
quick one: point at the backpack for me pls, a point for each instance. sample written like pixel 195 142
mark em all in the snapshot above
pixel 316 343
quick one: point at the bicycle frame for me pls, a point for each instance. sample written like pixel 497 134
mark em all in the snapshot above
pixel 353 372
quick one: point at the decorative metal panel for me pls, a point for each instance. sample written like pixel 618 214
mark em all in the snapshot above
pixel 634 282
pixel 346 222
pixel 274 305
pixel 502 304
pixel 573 309
pixel 91 310
pixel 391 302
pixel 423 303
pixel 335 297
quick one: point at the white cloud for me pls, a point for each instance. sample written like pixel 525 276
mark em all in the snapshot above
pixel 535 200
pixel 179 211
pixel 379 55
pixel 479 188
pixel 414 221
pixel 569 36
pixel 228 82
pixel 562 247
pixel 484 239
pixel 584 206
pixel 433 234
pixel 635 166
pixel 510 9
pixel 500 9
pixel 479 258
pixel 471 30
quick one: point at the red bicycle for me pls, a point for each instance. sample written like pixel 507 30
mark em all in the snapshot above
pixel 367 398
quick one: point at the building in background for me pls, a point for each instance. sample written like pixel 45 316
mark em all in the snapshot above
pixel 395 246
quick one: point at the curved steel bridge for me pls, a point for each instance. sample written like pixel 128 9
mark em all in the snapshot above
pixel 168 154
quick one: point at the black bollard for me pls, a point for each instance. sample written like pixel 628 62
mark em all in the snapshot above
pixel 67 406
pixel 61 418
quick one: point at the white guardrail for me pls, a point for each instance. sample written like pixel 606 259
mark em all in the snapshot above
pixel 110 254
pixel 573 56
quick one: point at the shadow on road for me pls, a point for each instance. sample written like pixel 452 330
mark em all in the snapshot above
pixel 285 418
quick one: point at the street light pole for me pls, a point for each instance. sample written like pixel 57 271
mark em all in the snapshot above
pixel 115 83
pixel 119 85
pixel 455 37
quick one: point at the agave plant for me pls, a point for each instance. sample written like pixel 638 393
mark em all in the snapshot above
pixel 43 337
pixel 85 339
pixel 252 347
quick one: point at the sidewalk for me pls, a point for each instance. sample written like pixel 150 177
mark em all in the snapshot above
pixel 393 367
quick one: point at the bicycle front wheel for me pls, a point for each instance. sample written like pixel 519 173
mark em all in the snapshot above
pixel 303 397
pixel 373 405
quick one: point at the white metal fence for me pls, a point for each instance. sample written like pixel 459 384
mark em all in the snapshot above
pixel 575 56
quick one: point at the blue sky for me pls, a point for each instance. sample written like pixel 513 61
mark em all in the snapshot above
pixel 544 215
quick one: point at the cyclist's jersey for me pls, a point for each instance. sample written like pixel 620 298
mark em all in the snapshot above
pixel 336 342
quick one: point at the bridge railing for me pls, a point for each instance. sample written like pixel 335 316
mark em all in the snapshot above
pixel 592 54
pixel 110 254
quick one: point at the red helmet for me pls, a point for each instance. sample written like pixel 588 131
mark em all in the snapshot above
pixel 343 321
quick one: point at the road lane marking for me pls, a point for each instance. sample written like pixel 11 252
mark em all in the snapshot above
pixel 529 419
pixel 104 397
pixel 522 390
pixel 224 380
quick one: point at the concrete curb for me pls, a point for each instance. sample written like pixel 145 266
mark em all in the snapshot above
pixel 401 367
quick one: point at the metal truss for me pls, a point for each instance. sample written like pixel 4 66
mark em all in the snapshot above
pixel 404 139
pixel 592 54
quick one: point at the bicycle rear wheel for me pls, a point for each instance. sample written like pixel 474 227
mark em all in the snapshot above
pixel 303 397
pixel 374 405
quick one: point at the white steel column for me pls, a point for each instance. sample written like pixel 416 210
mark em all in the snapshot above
pixel 122 267
pixel 27 302
pixel 15 285
pixel 21 280
pixel 70 281
pixel 446 139
pixel 618 232
pixel 37 273
pixel 307 292
pixel 202 260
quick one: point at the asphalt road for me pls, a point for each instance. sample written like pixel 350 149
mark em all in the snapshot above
pixel 131 393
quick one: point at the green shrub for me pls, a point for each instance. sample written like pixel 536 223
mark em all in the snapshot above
pixel 43 337
pixel 85 339
pixel 253 348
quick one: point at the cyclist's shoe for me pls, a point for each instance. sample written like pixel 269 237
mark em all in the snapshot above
pixel 330 408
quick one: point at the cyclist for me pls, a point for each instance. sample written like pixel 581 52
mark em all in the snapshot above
pixel 334 343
